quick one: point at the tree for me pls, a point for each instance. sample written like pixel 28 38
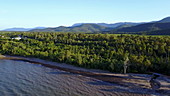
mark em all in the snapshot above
pixel 125 65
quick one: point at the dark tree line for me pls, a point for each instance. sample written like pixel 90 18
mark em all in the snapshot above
pixel 101 51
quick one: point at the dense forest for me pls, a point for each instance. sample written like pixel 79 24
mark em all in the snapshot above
pixel 141 53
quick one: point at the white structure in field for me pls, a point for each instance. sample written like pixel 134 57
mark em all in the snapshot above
pixel 2 36
pixel 17 38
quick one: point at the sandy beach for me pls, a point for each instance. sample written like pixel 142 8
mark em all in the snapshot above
pixel 133 84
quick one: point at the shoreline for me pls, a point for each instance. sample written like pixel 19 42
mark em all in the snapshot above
pixel 94 73
pixel 130 80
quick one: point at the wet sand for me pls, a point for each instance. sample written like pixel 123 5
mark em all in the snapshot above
pixel 132 84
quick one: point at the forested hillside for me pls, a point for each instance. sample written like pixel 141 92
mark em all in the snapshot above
pixel 159 32
pixel 144 27
pixel 86 27
pixel 100 51
pixel 81 28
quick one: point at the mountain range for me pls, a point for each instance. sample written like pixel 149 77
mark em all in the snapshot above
pixel 22 29
pixel 114 25
pixel 117 28
pixel 87 27
pixel 145 27
pixel 81 28
pixel 149 27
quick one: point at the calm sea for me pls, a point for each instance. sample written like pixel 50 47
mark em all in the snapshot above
pixel 18 78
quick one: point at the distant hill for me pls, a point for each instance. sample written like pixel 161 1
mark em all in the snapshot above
pixel 22 29
pixel 124 26
pixel 144 27
pixel 159 32
pixel 165 20
pixel 153 27
pixel 80 28
pixel 114 25
pixel 86 27
pixel 17 29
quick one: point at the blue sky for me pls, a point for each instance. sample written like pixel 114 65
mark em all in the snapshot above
pixel 53 13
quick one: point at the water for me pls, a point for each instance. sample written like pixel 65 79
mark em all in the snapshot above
pixel 18 78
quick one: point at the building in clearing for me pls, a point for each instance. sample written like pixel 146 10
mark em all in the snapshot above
pixel 2 36
pixel 17 38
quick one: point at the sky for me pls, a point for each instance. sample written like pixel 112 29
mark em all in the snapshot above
pixel 54 13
